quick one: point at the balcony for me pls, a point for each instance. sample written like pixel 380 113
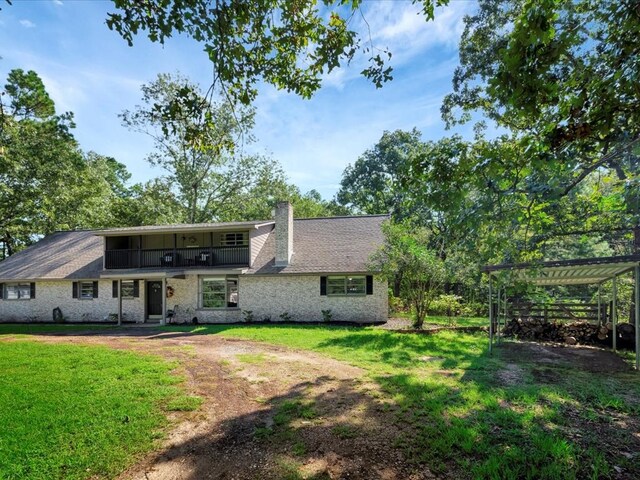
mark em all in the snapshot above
pixel 177 257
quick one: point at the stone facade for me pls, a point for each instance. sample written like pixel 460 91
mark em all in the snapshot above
pixel 58 293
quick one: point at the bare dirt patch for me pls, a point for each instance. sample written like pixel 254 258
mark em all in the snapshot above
pixel 590 359
pixel 268 412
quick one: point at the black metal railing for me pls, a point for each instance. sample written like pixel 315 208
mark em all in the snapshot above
pixel 177 257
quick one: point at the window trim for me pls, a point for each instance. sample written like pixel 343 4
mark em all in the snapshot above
pixel 224 278
pixel 5 293
pixel 345 280
pixel 81 285
pixel 133 288
pixel 234 243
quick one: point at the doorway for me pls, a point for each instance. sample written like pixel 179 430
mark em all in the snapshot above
pixel 154 299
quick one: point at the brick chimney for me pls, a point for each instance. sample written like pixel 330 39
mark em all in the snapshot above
pixel 284 234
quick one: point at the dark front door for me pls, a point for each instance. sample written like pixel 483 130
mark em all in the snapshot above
pixel 154 298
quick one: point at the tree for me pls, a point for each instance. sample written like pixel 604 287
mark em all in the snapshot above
pixel 372 185
pixel 562 78
pixel 195 143
pixel 45 181
pixel 289 44
pixel 406 256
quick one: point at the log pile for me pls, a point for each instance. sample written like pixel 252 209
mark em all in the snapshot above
pixel 571 333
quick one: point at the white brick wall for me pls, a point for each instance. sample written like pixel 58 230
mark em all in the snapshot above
pixel 265 296
pixel 58 293
pixel 299 296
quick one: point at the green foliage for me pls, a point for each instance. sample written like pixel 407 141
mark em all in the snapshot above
pixel 372 185
pixel 46 182
pixel 327 315
pixel 290 45
pixel 80 412
pixel 446 304
pixel 407 259
pixel 561 78
pixel 196 143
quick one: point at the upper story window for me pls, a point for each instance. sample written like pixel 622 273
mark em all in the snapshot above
pixel 234 239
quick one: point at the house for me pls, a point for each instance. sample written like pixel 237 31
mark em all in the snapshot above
pixel 282 269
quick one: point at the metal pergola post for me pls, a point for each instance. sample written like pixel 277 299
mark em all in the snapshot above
pixel 614 313
pixel 498 313
pixel 636 272
pixel 490 313
pixel 600 304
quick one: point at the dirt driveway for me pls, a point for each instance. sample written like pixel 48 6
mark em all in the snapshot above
pixel 268 412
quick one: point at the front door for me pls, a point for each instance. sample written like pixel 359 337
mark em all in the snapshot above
pixel 154 299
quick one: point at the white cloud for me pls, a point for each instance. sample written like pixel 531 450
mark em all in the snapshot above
pixel 27 23
pixel 58 2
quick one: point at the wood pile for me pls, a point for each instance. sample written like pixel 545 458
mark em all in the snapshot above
pixel 571 333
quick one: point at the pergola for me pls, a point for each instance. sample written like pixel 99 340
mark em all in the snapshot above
pixel 584 271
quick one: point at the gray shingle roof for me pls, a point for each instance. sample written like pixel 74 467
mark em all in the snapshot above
pixel 326 245
pixel 180 227
pixel 60 255
pixel 320 245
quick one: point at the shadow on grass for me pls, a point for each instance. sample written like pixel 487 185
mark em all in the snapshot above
pixel 517 414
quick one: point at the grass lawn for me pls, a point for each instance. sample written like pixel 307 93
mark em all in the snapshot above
pixel 75 412
pixel 34 328
pixel 448 321
pixel 465 413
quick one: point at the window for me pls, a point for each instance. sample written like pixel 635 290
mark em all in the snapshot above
pixel 236 239
pixel 85 290
pixel 128 290
pixel 219 292
pixel 19 291
pixel 356 285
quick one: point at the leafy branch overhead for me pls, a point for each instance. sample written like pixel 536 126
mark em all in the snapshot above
pixel 289 44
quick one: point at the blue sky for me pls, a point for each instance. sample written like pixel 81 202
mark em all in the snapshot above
pixel 90 70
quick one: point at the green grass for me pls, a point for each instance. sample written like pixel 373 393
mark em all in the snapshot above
pixel 75 412
pixel 448 321
pixel 252 358
pixel 34 328
pixel 459 418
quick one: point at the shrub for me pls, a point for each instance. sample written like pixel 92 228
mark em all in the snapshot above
pixel 248 315
pixel 327 315
pixel 285 317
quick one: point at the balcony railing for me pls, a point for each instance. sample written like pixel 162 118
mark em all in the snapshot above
pixel 177 257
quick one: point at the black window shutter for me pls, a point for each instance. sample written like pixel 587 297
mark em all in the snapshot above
pixel 95 289
pixel 1 290
pixel 136 288
pixel 74 289
pixel 323 285
pixel 369 284
pixel 114 289
pixel 33 290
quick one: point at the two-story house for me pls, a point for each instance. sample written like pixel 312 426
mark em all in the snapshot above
pixel 281 269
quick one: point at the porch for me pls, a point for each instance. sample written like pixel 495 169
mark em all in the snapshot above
pixel 177 257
